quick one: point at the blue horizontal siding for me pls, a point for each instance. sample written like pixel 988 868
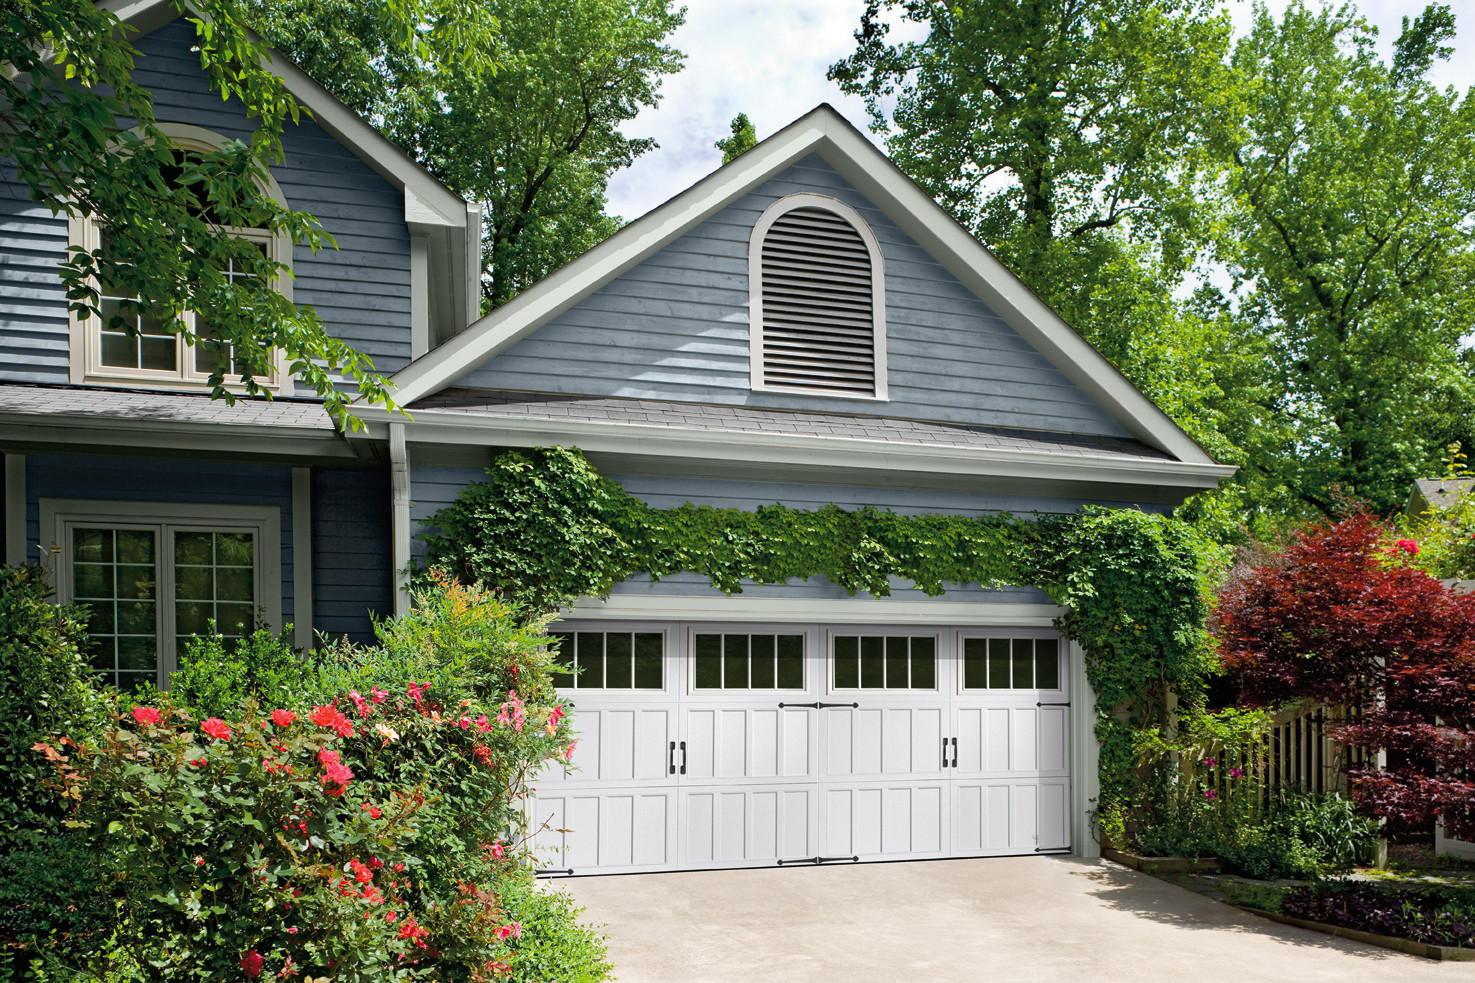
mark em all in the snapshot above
pixel 129 480
pixel 433 488
pixel 34 333
pixel 361 290
pixel 676 327
pixel 353 578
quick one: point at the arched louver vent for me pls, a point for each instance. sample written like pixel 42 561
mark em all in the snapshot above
pixel 818 310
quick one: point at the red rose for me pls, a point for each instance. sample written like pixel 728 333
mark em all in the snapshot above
pixel 146 715
pixel 216 728
pixel 283 718
pixel 251 963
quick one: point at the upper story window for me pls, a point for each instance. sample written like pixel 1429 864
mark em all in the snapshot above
pixel 818 300
pixel 140 350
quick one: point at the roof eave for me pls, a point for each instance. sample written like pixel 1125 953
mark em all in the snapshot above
pixel 432 427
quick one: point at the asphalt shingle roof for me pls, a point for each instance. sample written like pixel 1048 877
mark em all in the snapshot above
pixel 743 419
pixel 133 404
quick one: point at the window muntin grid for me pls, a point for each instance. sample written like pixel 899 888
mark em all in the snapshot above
pixel 747 661
pixel 885 662
pixel 114 573
pixel 611 660
pixel 1011 663
pixel 214 580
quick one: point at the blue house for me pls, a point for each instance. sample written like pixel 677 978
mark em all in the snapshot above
pixel 804 326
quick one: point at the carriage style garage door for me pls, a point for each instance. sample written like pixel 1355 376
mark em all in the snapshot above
pixel 722 745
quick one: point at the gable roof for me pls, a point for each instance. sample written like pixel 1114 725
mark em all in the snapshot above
pixel 825 133
pixel 451 225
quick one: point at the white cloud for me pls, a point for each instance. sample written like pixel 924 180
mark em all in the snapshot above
pixel 768 58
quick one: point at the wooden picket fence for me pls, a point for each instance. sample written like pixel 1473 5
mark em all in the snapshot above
pixel 1300 754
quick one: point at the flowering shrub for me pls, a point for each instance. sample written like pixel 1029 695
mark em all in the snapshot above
pixel 366 834
pixel 1438 917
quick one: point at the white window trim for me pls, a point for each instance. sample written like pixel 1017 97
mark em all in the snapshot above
pixel 668 635
pixel 942 689
pixel 60 516
pixel 85 330
pixel 755 293
pixel 1061 692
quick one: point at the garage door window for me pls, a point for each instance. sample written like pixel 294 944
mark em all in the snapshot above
pixel 885 662
pixel 742 661
pixel 618 660
pixel 1011 663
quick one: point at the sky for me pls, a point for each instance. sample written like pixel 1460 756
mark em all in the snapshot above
pixel 768 58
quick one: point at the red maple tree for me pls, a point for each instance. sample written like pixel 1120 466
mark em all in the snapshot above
pixel 1340 619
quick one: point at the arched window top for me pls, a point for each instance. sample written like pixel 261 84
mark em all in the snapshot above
pixel 818 300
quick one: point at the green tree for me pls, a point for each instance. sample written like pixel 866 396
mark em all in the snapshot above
pixel 1071 138
pixel 743 139
pixel 532 132
pixel 81 135
pixel 1353 182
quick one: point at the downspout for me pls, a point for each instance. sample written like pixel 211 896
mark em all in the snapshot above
pixel 399 506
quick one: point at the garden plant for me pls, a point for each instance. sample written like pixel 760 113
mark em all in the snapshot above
pixel 355 814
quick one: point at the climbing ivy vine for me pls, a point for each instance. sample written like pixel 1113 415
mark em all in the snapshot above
pixel 546 528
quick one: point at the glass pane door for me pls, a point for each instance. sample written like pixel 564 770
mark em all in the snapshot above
pixel 114 574
pixel 214 579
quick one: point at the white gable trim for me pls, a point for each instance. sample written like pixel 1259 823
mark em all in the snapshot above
pixel 825 133
pixel 451 224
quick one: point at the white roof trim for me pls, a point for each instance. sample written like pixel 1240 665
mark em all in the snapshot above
pixel 826 133
pixel 428 426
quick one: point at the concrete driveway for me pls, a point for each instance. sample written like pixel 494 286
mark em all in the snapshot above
pixel 1027 919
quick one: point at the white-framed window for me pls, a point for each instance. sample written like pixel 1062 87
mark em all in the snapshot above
pixel 895 659
pixel 817 310
pixel 612 660
pixel 101 354
pixel 154 573
pixel 1003 661
pixel 743 658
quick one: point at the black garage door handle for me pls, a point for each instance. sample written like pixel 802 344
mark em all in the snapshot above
pixel 672 759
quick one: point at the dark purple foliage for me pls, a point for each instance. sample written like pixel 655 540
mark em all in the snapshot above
pixel 1436 917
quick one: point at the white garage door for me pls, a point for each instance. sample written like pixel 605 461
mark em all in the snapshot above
pixel 719 745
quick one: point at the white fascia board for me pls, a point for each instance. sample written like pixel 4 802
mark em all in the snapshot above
pixel 462 429
pixel 574 281
pixel 842 610
pixel 114 434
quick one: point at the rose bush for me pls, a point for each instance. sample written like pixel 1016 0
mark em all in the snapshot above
pixel 363 828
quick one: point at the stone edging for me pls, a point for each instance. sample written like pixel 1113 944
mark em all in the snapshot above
pixel 1162 865
pixel 1425 949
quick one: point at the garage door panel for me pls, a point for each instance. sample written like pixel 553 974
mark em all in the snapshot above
pixel 884 820
pixel 749 744
pixel 733 826
pixel 1023 739
pixel 1054 742
pixel 881 741
pixel 995 816
pixel 618 744
pixel 605 831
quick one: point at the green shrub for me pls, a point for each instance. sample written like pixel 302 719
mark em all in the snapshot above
pixel 554 944
pixel 217 674
pixel 47 689
pixel 52 904
pixel 367 831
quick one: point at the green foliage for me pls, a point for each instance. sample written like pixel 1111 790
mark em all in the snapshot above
pixel 1445 534
pixel 216 674
pixel 370 833
pixel 546 528
pixel 554 945
pixel 52 902
pixel 84 140
pixel 1350 240
pixel 532 131
pixel 743 139
pixel 47 689
pixel 1201 793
